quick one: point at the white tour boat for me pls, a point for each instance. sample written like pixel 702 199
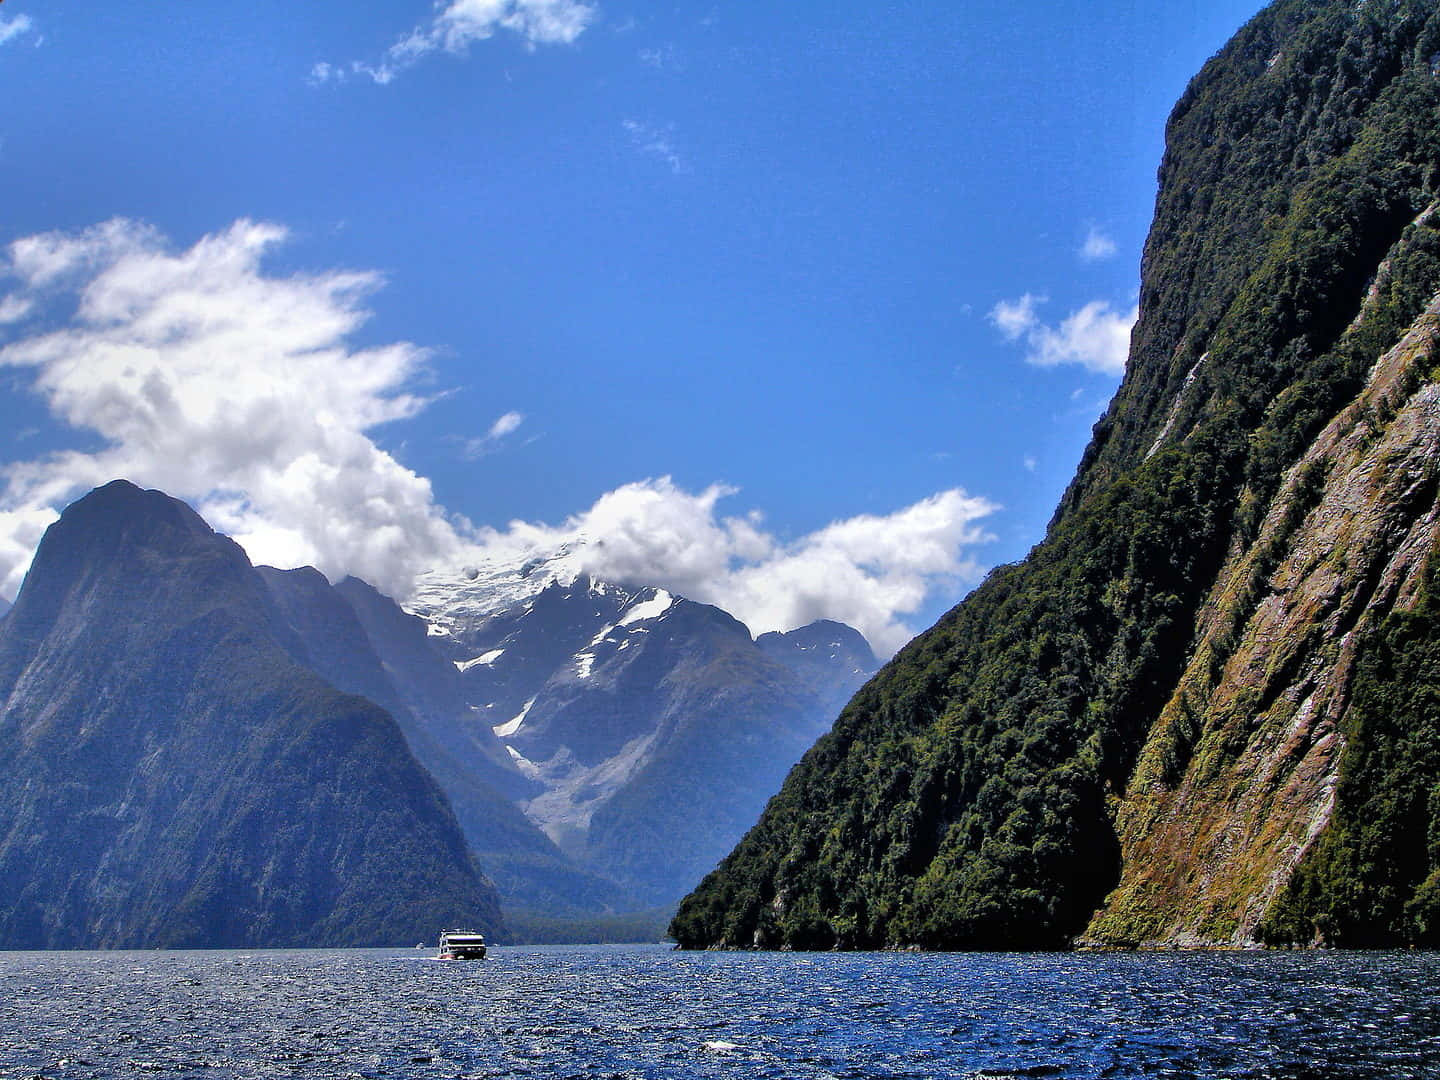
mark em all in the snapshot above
pixel 462 945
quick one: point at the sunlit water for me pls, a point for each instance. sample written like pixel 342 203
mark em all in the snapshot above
pixel 637 1012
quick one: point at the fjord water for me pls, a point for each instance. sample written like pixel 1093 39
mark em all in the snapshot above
pixel 647 1012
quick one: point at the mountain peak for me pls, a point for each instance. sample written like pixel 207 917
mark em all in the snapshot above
pixel 121 507
pixel 154 703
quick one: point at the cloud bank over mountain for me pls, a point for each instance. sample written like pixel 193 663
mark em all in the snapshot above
pixel 199 372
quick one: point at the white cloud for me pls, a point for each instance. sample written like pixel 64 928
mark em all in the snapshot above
pixel 197 372
pixel 1016 317
pixel 14 28
pixel 504 426
pixel 1097 246
pixel 868 571
pixel 206 378
pixel 322 72
pixel 14 308
pixel 460 23
pixel 1096 337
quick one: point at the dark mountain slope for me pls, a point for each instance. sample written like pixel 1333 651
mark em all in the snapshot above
pixel 343 631
pixel 1147 717
pixel 174 778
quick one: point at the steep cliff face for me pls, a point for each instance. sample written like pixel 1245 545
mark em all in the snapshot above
pixel 1238 778
pixel 1170 723
pixel 173 777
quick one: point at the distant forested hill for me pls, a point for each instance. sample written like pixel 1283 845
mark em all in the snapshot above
pixel 1203 711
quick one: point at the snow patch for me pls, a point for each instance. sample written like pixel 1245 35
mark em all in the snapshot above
pixel 649 609
pixel 482 661
pixel 584 663
pixel 601 636
pixel 524 764
pixel 510 727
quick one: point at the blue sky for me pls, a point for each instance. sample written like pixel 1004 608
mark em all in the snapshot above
pixel 806 309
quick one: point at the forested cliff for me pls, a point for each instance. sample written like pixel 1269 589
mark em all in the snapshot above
pixel 1206 709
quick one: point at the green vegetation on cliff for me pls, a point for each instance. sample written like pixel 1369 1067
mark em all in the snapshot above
pixel 965 798
pixel 1373 880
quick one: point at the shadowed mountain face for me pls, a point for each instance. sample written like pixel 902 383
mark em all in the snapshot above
pixel 174 777
pixel 361 642
pixel 1201 712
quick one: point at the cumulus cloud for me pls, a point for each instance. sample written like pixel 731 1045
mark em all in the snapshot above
pixel 10 29
pixel 459 24
pixel 205 377
pixel 1097 246
pixel 196 371
pixel 1096 337
pixel 868 571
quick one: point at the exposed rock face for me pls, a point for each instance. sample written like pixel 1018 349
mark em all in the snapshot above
pixel 173 777
pixel 1203 711
pixel 1238 777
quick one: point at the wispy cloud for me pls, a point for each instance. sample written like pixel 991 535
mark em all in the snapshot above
pixel 657 143
pixel 662 58
pixel 459 24
pixel 488 443
pixel 1096 337
pixel 1098 245
pixel 10 29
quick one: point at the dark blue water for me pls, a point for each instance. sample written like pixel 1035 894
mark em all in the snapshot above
pixel 636 1012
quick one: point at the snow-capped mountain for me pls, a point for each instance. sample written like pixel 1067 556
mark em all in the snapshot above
pixel 655 726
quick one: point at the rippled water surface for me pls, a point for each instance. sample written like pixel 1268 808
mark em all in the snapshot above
pixel 647 1012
